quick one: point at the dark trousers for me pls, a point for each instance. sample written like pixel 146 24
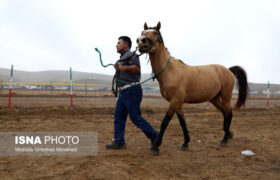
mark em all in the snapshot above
pixel 129 103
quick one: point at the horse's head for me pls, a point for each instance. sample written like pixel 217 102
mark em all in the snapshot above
pixel 149 39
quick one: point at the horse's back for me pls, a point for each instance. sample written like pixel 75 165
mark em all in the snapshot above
pixel 204 82
pixel 214 72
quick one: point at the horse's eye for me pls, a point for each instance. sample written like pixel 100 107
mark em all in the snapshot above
pixel 155 33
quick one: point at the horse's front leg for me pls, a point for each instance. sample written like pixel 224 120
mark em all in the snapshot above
pixel 185 130
pixel 158 140
pixel 173 107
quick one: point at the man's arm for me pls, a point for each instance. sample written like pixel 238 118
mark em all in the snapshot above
pixel 133 69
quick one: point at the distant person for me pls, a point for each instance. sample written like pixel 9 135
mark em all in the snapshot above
pixel 130 97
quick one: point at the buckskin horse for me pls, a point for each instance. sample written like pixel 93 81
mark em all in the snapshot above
pixel 181 83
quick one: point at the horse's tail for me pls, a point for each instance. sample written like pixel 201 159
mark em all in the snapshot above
pixel 241 76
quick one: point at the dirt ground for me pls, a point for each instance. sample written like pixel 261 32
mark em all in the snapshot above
pixel 255 128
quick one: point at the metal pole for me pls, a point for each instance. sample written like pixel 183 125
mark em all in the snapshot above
pixel 71 88
pixel 51 88
pixel 267 100
pixel 86 88
pixel 208 105
pixel 1 86
pixel 11 87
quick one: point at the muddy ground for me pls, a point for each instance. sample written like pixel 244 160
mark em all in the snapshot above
pixel 255 128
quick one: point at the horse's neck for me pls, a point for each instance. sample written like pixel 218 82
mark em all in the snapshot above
pixel 159 59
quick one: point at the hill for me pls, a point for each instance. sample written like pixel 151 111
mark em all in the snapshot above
pixel 90 78
pixel 62 77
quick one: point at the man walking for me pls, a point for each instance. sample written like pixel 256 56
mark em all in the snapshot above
pixel 130 97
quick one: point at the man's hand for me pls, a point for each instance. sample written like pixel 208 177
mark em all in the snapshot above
pixel 122 68
pixel 116 66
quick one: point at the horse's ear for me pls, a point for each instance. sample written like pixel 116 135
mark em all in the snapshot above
pixel 145 26
pixel 158 26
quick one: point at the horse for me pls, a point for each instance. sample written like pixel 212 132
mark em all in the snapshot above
pixel 181 83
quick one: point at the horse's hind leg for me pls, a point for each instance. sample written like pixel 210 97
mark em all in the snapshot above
pixel 227 122
pixel 182 121
pixel 224 107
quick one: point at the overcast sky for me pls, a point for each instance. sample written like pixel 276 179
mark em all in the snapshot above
pixel 40 35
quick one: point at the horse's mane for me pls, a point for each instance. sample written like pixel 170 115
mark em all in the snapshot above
pixel 160 39
pixel 181 61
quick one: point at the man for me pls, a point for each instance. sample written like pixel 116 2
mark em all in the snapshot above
pixel 130 97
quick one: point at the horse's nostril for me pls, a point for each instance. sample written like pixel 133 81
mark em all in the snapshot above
pixel 144 40
pixel 137 41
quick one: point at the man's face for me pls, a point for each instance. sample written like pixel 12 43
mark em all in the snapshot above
pixel 121 46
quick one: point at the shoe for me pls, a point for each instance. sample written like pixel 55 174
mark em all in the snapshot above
pixel 114 145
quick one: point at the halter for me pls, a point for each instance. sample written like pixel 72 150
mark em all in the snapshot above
pixel 151 46
pixel 152 43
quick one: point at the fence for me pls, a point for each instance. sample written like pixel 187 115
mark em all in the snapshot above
pixel 92 95
pixel 266 96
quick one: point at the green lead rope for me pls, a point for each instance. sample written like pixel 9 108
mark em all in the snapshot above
pixel 126 83
pixel 101 59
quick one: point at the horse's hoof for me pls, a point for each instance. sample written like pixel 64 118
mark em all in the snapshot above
pixel 154 152
pixel 184 147
pixel 223 143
